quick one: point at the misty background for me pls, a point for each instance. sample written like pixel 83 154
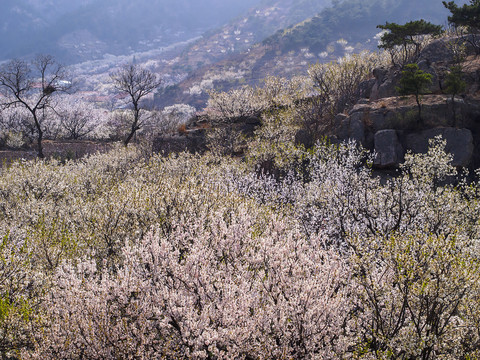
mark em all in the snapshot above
pixel 80 30
pixel 198 45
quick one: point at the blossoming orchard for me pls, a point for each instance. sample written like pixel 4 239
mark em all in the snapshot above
pixel 122 256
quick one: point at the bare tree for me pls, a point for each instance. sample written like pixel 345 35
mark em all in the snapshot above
pixel 137 82
pixel 32 86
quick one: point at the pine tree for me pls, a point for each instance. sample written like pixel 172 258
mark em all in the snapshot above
pixel 414 82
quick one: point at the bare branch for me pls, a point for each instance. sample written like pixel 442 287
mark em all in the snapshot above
pixel 32 87
pixel 137 82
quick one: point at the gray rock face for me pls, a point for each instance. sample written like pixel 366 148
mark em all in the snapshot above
pixel 443 50
pixel 357 130
pixel 404 117
pixel 365 88
pixel 439 50
pixel 385 84
pixel 389 150
pixel 426 66
pixel 352 127
pixel 459 143
pixel 391 131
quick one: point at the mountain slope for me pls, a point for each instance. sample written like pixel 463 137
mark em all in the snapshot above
pixel 345 27
pixel 242 33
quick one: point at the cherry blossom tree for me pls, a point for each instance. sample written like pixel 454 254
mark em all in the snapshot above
pixel 206 257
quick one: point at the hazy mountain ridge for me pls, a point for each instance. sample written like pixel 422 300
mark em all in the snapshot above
pixel 92 28
pixel 25 24
pixel 52 9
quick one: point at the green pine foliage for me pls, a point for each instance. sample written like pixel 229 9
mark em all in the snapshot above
pixel 408 38
pixel 405 34
pixel 467 15
pixel 414 82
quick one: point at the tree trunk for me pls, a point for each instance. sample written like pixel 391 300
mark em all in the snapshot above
pixel 417 98
pixel 39 137
pixel 130 136
pixel 454 113
pixel 39 146
pixel 135 127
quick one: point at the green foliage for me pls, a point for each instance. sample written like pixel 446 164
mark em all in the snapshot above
pixel 405 36
pixel 454 83
pixel 414 82
pixel 468 15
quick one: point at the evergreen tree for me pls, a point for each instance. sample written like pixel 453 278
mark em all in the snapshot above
pixel 405 36
pixel 414 82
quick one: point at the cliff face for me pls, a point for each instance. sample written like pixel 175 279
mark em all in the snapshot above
pixel 389 124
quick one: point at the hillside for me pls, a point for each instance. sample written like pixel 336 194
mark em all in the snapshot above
pixel 285 252
pixel 327 216
pixel 289 51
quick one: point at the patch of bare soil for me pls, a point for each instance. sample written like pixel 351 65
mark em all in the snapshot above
pixel 406 101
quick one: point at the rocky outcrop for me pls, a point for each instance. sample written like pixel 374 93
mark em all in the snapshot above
pixel 434 59
pixel 390 145
pixel 386 81
pixel 352 127
pixel 389 124
pixel 391 127
pixel 445 50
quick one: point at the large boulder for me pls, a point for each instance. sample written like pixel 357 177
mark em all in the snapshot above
pixel 441 50
pixel 365 88
pixel 389 151
pixel 394 113
pixel 445 49
pixel 459 143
